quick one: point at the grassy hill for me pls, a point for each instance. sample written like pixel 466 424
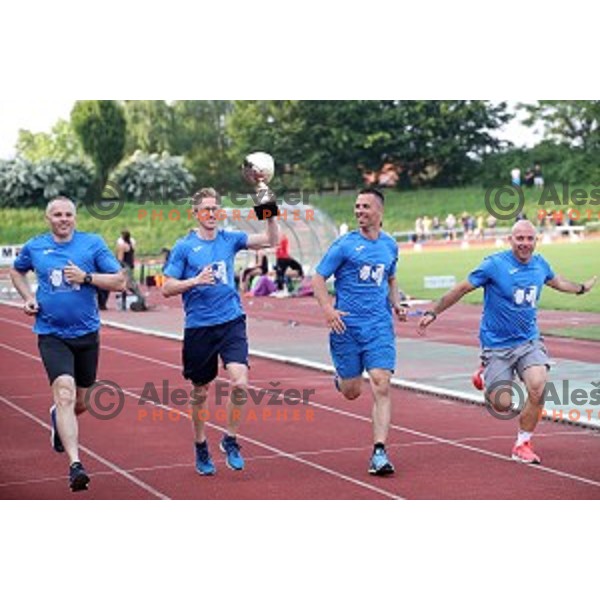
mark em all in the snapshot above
pixel 402 208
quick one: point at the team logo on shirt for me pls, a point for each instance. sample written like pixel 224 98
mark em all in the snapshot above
pixel 219 270
pixel 59 283
pixel 525 296
pixel 371 274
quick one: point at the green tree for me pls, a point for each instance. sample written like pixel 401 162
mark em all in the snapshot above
pixel 101 128
pixel 332 142
pixel 149 126
pixel 199 135
pixel 61 143
pixel 575 123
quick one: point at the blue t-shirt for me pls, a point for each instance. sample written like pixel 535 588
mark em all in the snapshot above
pixel 66 310
pixel 511 293
pixel 207 305
pixel 362 268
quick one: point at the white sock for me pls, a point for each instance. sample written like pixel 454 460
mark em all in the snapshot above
pixel 523 436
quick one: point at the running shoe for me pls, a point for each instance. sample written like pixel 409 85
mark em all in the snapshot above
pixel 380 464
pixel 233 457
pixel 204 463
pixel 524 453
pixel 78 478
pixel 55 440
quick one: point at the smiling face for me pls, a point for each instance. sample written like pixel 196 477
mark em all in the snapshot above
pixel 523 240
pixel 60 216
pixel 206 213
pixel 368 210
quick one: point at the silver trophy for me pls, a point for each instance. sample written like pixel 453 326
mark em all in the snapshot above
pixel 258 169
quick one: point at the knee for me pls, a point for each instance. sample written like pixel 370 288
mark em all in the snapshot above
pixel 199 395
pixel 352 391
pixel 239 390
pixel 63 389
pixel 500 400
pixel 535 392
pixel 381 385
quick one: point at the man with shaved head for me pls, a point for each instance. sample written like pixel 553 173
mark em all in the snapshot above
pixel 69 265
pixel 512 281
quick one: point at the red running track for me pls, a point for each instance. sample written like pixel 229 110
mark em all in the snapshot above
pixel 441 449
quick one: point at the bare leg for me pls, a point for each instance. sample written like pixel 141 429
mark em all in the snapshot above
pixel 198 397
pixel 535 378
pixel 238 376
pixel 382 405
pixel 351 388
pixel 64 394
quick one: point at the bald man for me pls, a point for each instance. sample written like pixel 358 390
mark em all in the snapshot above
pixel 69 265
pixel 510 339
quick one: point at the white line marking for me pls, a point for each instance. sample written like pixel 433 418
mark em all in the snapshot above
pixel 100 459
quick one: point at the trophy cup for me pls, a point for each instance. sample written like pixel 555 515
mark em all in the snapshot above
pixel 258 169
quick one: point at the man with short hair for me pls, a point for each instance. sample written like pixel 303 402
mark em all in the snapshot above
pixel 69 266
pixel 362 329
pixel 201 268
pixel 512 281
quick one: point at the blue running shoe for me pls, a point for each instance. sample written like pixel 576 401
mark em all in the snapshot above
pixel 380 464
pixel 55 440
pixel 204 463
pixel 231 448
pixel 78 478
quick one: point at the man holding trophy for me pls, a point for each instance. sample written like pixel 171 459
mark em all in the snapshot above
pixel 201 268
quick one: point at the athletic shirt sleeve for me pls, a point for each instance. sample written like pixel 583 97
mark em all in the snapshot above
pixel 240 240
pixel 333 259
pixel 176 264
pixel 23 262
pixel 549 273
pixel 104 259
pixel 482 274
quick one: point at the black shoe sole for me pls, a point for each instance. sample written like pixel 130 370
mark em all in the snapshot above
pixel 383 472
pixel 80 483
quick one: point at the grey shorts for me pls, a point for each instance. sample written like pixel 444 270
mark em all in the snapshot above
pixel 502 363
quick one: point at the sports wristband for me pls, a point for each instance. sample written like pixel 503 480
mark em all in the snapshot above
pixel 581 289
pixel 430 313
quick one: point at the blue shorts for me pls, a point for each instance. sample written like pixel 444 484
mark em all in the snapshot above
pixel 355 351
pixel 202 347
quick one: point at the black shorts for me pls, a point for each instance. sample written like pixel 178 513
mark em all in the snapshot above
pixel 77 357
pixel 202 347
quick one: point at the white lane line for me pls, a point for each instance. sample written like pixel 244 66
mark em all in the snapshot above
pixel 435 438
pixel 278 451
pixel 438 439
pixel 90 452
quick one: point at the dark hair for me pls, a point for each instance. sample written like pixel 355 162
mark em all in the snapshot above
pixel 126 236
pixel 374 192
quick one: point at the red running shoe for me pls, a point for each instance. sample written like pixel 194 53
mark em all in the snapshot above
pixel 525 454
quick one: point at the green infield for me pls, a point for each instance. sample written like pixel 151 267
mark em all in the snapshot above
pixel 584 332
pixel 576 262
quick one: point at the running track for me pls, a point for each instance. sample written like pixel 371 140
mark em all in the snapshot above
pixel 441 449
